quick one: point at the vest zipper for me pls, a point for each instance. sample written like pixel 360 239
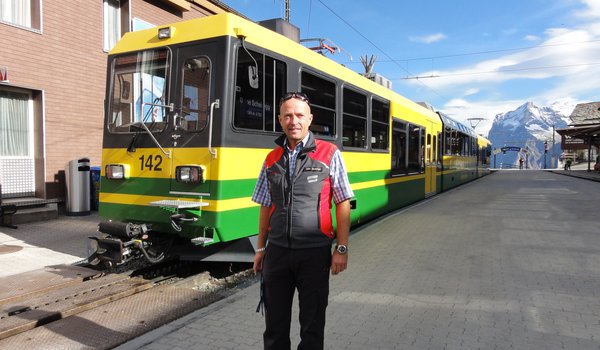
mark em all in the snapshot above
pixel 290 193
pixel 289 215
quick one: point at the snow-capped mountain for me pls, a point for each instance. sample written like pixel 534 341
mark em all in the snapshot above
pixel 529 127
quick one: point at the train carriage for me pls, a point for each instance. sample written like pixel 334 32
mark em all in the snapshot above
pixel 191 112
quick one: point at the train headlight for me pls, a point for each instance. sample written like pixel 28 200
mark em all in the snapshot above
pixel 165 32
pixel 115 171
pixel 190 173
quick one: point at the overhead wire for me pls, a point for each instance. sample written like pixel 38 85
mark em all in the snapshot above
pixel 507 70
pixel 491 51
pixel 377 47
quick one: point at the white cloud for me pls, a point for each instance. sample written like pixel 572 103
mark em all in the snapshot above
pixel 428 39
pixel 471 91
pixel 563 67
pixel 592 11
pixel 565 54
pixel 531 38
pixel 462 110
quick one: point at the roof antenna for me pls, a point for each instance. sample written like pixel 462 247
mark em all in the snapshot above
pixel 287 10
pixel 368 63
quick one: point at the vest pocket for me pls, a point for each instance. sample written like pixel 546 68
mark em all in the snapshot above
pixel 319 212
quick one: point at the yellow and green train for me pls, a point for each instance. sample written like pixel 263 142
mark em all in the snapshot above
pixel 191 112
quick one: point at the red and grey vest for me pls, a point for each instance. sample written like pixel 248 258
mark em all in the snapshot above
pixel 301 202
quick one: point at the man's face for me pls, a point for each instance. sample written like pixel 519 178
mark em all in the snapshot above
pixel 295 119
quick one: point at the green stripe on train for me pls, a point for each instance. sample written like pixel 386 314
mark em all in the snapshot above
pixel 240 223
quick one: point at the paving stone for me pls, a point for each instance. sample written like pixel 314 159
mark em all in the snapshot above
pixel 511 261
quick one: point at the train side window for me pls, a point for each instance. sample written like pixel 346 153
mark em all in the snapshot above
pixel 260 83
pixel 414 149
pixel 380 124
pixel 322 96
pixel 399 148
pixel 196 78
pixel 354 124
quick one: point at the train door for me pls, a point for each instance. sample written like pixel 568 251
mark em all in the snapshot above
pixel 192 145
pixel 430 164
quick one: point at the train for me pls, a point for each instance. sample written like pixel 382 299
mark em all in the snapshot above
pixel 191 112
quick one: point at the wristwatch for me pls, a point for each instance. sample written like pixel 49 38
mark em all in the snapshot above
pixel 341 248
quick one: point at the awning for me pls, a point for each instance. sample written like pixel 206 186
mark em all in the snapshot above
pixel 580 136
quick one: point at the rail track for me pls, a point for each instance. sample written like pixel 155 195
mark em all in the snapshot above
pixel 75 307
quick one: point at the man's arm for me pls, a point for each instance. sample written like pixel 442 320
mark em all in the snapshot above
pixel 339 262
pixel 263 226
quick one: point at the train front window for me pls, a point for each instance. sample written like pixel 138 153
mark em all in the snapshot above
pixel 196 78
pixel 139 91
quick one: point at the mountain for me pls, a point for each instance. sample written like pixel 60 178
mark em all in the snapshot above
pixel 528 127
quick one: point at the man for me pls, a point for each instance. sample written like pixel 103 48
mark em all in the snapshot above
pixel 295 187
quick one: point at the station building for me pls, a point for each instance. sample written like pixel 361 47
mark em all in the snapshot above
pixel 53 58
pixel 584 132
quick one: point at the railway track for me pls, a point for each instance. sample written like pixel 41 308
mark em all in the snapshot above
pixel 74 307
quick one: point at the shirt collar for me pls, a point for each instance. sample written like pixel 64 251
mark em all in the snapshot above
pixel 300 144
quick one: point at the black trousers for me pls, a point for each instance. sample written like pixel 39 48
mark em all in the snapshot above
pixel 284 271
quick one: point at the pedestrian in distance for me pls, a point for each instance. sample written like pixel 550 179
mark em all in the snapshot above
pixel 295 188
pixel 520 163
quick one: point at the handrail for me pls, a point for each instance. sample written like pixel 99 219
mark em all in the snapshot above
pixel 213 105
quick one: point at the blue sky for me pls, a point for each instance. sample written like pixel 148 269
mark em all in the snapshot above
pixel 487 57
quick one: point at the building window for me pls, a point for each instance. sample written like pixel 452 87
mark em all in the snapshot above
pixel 16 138
pixel 17 168
pixel 112 23
pixel 322 96
pixel 22 13
pixel 260 83
pixel 354 131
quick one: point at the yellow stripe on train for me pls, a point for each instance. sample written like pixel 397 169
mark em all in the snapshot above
pixel 230 164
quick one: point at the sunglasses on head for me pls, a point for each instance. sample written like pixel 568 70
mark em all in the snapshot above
pixel 297 95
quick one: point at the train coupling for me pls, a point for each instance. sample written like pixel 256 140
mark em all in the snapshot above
pixel 122 242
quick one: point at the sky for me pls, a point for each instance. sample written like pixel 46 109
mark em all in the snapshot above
pixel 466 58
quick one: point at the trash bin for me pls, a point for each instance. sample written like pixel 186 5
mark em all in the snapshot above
pixel 77 178
pixel 94 187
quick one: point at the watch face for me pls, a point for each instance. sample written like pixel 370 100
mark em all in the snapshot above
pixel 342 249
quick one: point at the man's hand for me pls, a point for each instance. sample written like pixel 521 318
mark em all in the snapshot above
pixel 339 262
pixel 258 261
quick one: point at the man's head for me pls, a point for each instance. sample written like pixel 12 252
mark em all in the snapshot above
pixel 295 116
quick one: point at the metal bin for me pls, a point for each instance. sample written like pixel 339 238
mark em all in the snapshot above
pixel 77 179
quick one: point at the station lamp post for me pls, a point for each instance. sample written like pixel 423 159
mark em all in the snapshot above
pixel 545 152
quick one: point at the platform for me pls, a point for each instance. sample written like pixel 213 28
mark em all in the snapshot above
pixel 511 261
pixel 508 261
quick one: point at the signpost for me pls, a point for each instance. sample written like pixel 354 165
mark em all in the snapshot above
pixel 545 152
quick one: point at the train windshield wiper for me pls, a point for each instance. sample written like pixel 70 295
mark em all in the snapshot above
pixel 141 126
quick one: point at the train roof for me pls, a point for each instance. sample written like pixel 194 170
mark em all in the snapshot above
pixel 228 24
pixel 455 124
